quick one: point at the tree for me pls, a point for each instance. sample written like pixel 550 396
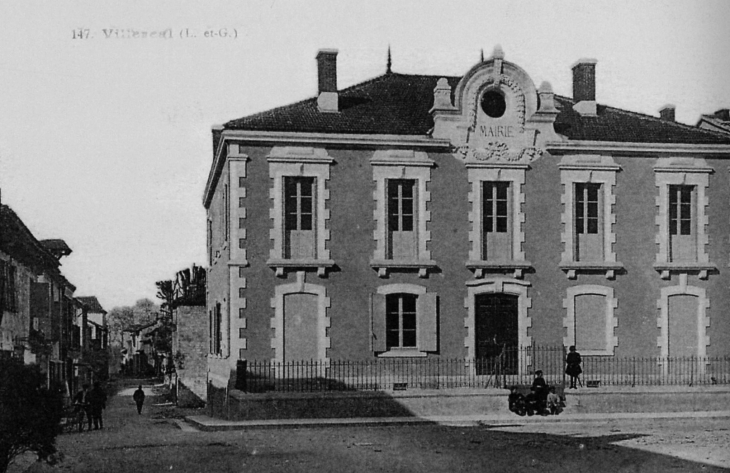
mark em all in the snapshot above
pixel 30 414
pixel 166 293
pixel 118 319
pixel 145 311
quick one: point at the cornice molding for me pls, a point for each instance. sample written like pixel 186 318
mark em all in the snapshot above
pixel 406 141
pixel 636 148
pixel 283 138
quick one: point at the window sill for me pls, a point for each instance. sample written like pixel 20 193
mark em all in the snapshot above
pixel 684 267
pixel 481 267
pixel 382 266
pixel 403 353
pixel 282 265
pixel 572 268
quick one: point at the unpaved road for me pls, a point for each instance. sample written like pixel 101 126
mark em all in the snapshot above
pixel 153 442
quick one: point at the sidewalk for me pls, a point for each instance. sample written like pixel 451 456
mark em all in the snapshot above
pixel 207 423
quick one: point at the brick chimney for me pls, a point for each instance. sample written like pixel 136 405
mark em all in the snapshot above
pixel 667 113
pixel 723 114
pixel 584 87
pixel 327 99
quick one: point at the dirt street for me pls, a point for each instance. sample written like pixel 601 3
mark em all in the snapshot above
pixel 155 442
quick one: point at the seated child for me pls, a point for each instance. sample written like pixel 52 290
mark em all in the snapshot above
pixel 516 401
pixel 553 402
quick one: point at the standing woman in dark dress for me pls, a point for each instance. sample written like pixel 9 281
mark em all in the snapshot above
pixel 573 368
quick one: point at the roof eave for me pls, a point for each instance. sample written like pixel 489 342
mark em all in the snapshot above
pixel 287 138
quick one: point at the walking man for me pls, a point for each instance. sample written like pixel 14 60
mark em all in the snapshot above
pixel 97 401
pixel 138 397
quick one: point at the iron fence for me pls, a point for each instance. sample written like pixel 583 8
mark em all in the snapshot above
pixel 511 367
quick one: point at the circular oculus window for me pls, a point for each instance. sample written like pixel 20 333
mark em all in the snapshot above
pixel 493 104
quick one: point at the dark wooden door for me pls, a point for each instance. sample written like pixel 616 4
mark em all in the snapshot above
pixel 496 333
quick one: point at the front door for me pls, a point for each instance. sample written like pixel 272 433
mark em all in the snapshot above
pixel 496 330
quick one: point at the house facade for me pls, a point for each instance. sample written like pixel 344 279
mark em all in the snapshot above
pixel 419 217
pixel 93 335
pixel 38 308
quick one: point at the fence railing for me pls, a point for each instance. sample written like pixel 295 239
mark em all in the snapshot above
pixel 511 367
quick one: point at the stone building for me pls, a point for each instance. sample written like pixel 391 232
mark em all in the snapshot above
pixel 414 216
pixel 37 307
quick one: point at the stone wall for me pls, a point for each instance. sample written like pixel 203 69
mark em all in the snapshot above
pixel 190 349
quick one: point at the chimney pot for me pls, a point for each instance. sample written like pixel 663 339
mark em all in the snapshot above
pixel 327 99
pixel 666 113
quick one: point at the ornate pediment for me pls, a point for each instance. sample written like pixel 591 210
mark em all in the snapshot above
pixel 497 116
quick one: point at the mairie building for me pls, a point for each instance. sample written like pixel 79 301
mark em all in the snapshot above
pixel 417 216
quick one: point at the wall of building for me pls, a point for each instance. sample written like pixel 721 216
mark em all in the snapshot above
pixel 190 349
pixel 16 325
pixel 350 284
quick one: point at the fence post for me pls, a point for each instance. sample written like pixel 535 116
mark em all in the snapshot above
pixel 241 375
pixel 562 365
pixel 633 372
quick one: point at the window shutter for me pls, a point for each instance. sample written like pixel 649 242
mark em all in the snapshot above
pixel 378 322
pixel 426 308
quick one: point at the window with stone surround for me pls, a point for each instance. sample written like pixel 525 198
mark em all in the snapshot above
pixel 404 321
pixel 300 322
pixel 497 219
pixel 590 320
pixel 683 321
pixel 681 216
pixel 588 216
pixel 299 209
pixel 401 211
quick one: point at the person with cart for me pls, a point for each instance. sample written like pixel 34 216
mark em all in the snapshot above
pixel 82 407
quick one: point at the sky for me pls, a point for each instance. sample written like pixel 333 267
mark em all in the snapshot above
pixel 105 137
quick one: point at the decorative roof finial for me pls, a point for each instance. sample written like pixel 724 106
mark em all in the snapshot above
pixel 498 52
pixel 481 58
pixel 390 62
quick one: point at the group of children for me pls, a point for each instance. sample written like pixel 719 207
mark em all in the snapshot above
pixel 542 399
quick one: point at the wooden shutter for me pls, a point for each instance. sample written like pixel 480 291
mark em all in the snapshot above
pixel 427 320
pixel 378 322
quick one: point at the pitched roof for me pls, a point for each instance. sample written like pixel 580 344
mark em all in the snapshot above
pixel 92 303
pixel 399 104
pixel 615 124
pixel 393 104
pixel 18 241
pixel 718 121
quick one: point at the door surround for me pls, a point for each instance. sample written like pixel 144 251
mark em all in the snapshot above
pixel 511 286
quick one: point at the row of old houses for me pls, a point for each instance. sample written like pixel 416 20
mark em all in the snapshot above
pixel 42 320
